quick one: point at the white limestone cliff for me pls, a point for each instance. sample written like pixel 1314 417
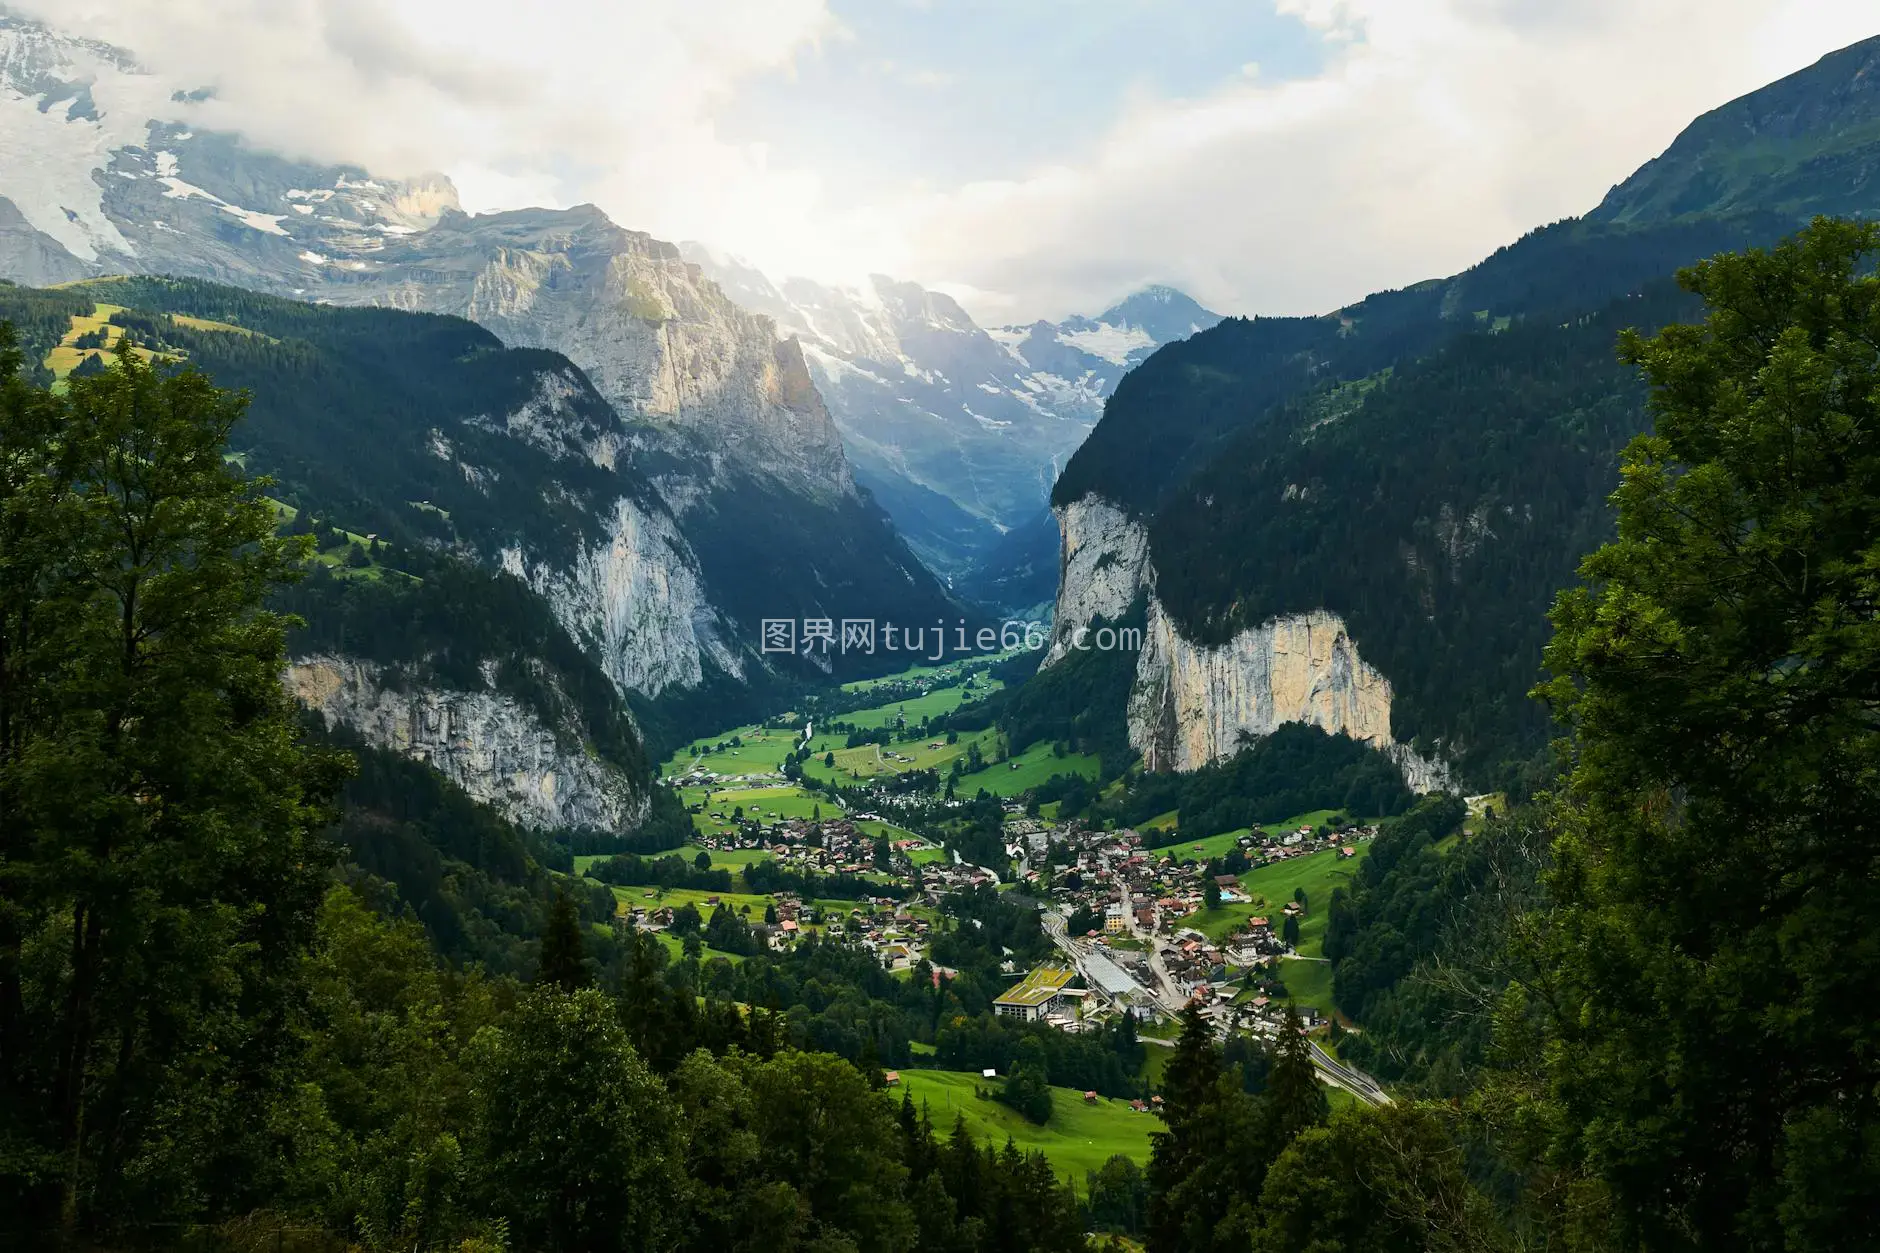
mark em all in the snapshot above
pixel 484 742
pixel 1192 704
pixel 635 595
pixel 1103 562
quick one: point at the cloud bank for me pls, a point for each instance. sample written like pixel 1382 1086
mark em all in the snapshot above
pixel 1436 131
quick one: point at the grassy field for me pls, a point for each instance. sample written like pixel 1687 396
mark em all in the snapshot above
pixel 675 949
pixel 1212 846
pixel 1035 765
pixel 931 705
pixel 1308 983
pixel 763 749
pixel 912 672
pixel 1270 887
pixel 1155 1057
pixel 767 802
pixel 869 759
pixel 1079 1138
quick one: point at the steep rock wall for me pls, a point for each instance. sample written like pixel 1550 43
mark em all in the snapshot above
pixel 661 342
pixel 1103 563
pixel 636 597
pixel 484 742
pixel 1191 704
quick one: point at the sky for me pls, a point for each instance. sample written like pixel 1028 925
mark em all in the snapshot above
pixel 1033 158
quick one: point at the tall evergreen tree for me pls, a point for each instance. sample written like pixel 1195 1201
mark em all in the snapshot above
pixel 1293 1099
pixel 159 863
pixel 1714 1058
pixel 563 964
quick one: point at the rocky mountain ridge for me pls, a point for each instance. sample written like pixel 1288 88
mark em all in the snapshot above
pixel 691 425
pixel 958 430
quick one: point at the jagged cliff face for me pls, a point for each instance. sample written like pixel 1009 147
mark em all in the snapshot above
pixel 1103 565
pixel 661 342
pixel 484 742
pixel 635 597
pixel 1191 704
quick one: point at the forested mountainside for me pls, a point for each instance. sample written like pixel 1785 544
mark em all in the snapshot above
pixel 1807 144
pixel 1426 464
pixel 424 433
pixel 714 413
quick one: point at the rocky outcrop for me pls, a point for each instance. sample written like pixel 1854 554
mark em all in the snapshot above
pixel 661 342
pixel 1192 704
pixel 484 742
pixel 636 598
pixel 1103 565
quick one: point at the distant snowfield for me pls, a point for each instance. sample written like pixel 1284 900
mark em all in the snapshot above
pixel 64 199
pixel 1112 343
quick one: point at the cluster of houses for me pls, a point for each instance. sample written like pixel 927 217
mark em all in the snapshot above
pixel 885 927
pixel 1141 952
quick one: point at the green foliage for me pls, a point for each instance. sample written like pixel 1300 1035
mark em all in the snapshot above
pixel 1713 969
pixel 475 880
pixel 1206 1167
pixel 1383 1180
pixel 632 870
pixel 1027 1088
pixel 471 629
pixel 1117 1196
pixel 1424 943
pixel 1295 770
pixel 39 320
pixel 560 964
pixel 160 861
pixel 577 1142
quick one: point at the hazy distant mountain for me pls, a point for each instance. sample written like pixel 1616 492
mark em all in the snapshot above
pixel 1095 352
pixel 933 409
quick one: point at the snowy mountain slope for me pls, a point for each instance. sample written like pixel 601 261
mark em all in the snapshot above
pixel 930 403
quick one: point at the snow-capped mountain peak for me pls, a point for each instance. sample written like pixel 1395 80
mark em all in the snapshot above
pixel 121 182
pixel 932 405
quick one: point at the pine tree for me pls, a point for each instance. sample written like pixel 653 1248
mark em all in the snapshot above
pixel 1293 1100
pixel 1715 972
pixel 159 816
pixel 561 964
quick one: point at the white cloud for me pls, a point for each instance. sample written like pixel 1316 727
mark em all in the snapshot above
pixel 1438 130
pixel 562 102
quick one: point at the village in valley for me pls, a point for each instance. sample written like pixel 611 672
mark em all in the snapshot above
pixel 827 832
